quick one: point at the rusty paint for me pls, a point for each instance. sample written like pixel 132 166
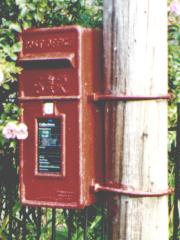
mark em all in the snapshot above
pixel 62 65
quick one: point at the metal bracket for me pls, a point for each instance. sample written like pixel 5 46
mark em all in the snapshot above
pixel 129 191
pixel 122 189
pixel 110 97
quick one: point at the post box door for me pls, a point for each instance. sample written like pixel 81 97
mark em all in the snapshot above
pixel 51 135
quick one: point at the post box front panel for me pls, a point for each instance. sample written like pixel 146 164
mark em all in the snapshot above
pixel 50 40
pixel 51 59
pixel 49 155
pixel 59 159
pixel 49 82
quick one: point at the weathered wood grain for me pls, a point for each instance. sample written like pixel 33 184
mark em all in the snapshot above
pixel 135 58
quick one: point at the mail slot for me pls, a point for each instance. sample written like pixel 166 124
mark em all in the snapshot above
pixel 62 157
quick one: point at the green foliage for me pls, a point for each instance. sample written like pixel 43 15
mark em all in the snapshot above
pixel 16 15
pixel 173 74
pixel 174 69
pixel 22 14
pixel 58 12
pixel 174 89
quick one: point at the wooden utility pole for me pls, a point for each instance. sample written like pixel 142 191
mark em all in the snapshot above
pixel 135 46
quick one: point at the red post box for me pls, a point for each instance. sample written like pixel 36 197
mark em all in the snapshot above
pixel 62 157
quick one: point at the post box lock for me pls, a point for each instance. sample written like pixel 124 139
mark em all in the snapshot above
pixel 63 153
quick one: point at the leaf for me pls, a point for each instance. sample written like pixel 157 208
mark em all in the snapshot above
pixel 20 2
pixel 27 24
pixel 62 235
pixel 15 26
pixel 13 56
pixel 13 144
pixel 7 49
pixel 17 47
pixel 3 225
pixel 6 86
pixel 24 11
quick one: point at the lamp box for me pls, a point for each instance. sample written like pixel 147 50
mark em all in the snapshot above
pixel 62 157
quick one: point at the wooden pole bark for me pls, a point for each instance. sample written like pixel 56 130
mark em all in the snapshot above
pixel 135 57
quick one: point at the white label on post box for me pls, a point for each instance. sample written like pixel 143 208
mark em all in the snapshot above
pixel 48 108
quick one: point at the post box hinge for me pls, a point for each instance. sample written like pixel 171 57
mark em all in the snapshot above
pixel 129 191
pixel 111 97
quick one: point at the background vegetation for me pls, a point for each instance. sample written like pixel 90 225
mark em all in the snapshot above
pixel 174 89
pixel 16 15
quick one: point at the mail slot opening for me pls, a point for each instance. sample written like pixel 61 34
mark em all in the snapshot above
pixel 49 145
pixel 46 64
pixel 48 60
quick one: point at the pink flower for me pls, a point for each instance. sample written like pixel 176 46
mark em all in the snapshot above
pixel 13 130
pixel 9 131
pixel 175 7
pixel 21 131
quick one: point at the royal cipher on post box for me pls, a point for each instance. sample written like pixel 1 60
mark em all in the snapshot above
pixel 62 157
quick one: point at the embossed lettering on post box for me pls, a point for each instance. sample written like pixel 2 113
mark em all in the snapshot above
pixel 62 157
